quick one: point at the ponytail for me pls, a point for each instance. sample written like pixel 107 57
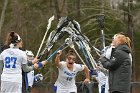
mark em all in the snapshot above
pixel 128 41
pixel 124 40
pixel 13 38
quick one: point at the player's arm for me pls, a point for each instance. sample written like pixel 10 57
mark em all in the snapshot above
pixel 42 64
pixel 57 58
pixel 35 63
pixel 86 71
pixel 35 60
pixel 27 68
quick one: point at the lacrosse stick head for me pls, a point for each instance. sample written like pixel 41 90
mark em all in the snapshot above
pixel 52 18
pixel 63 21
pixel 48 43
pixel 68 41
pixel 76 25
pixel 101 20
pixel 49 22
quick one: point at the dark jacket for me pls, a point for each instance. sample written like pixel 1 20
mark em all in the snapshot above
pixel 119 67
pixel 3 47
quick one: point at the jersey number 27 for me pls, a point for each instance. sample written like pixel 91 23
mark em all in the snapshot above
pixel 10 62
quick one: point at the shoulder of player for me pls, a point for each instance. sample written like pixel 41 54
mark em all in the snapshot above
pixel 75 64
pixel 21 52
pixel 63 62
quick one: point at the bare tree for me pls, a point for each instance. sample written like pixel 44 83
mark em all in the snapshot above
pixel 130 34
pixel 1 24
pixel 78 8
pixel 59 6
pixel 3 15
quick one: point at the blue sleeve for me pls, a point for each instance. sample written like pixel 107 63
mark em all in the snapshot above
pixel 40 65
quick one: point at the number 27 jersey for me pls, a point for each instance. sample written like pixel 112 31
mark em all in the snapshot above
pixel 13 58
pixel 66 78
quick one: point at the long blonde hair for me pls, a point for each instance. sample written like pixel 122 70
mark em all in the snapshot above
pixel 124 40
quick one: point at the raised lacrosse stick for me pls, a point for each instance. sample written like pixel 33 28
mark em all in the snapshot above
pixel 48 27
pixel 55 35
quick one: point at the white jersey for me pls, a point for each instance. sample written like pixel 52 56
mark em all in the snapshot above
pixel 13 58
pixel 66 78
pixel 102 81
pixel 101 77
pixel 30 76
pixel 107 51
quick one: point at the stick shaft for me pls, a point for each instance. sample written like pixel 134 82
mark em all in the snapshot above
pixel 103 38
pixel 48 27
pixel 78 55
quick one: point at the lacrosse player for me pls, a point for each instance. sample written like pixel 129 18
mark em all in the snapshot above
pixel 67 71
pixel 14 60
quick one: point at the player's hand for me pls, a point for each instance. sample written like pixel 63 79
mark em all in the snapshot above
pixel 35 60
pixel 44 63
pixel 98 67
pixel 36 66
pixel 86 81
pixel 59 52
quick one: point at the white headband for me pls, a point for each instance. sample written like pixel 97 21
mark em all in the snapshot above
pixel 19 39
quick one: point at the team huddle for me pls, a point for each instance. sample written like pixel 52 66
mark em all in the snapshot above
pixel 113 72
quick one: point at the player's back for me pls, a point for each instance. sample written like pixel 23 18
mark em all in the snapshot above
pixel 13 58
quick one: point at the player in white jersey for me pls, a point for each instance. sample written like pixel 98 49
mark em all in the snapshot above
pixel 14 60
pixel 67 71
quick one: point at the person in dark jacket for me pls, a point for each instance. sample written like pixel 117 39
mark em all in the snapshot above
pixel 119 65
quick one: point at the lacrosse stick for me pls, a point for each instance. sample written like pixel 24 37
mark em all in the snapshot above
pixel 72 46
pixel 87 48
pixel 62 47
pixel 76 28
pixel 62 22
pixel 48 27
pixel 84 55
pixel 100 19
pixel 85 45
